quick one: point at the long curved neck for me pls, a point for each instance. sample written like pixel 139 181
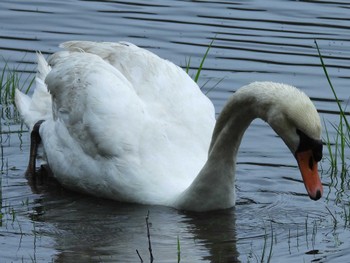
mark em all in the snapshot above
pixel 214 188
pixel 231 124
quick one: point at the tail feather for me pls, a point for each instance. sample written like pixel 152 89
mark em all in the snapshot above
pixel 43 68
pixel 39 106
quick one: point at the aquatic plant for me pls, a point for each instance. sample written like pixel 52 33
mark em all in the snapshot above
pixel 178 250
pixel 151 257
pixel 338 148
pixel 199 69
pixel 341 143
pixel 266 253
pixel 269 256
pixel 10 80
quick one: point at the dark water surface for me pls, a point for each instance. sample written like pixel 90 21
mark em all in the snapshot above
pixel 254 40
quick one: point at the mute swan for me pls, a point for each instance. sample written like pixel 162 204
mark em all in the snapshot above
pixel 117 121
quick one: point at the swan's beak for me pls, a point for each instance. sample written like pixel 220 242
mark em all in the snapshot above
pixel 309 172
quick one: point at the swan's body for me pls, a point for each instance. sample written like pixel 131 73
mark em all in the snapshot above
pixel 122 123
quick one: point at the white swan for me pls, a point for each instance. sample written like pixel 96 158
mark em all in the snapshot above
pixel 122 123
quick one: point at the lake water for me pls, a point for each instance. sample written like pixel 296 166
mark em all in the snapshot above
pixel 274 220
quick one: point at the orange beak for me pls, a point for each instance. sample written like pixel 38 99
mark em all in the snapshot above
pixel 309 172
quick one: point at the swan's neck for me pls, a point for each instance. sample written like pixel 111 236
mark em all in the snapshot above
pixel 213 188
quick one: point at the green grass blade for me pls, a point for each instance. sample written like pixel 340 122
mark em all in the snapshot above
pixel 202 62
pixel 188 65
pixel 331 85
pixel 332 160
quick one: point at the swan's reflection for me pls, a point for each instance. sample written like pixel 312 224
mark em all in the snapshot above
pixel 88 229
pixel 217 232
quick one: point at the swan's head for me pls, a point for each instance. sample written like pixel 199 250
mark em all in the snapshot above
pixel 295 119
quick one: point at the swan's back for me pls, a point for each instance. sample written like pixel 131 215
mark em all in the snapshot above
pixel 164 87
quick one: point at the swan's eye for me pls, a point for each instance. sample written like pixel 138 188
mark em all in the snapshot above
pixel 317 151
pixel 306 143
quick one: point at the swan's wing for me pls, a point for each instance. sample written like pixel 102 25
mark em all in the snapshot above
pixel 95 102
pixel 140 111
pixel 167 91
